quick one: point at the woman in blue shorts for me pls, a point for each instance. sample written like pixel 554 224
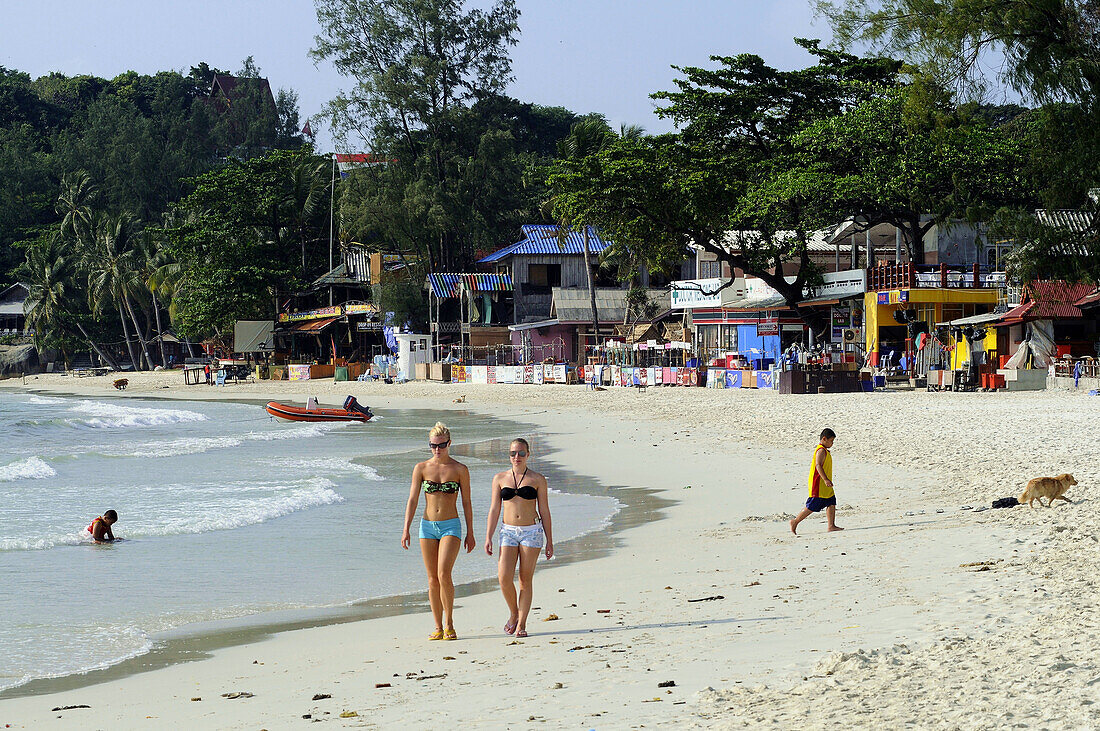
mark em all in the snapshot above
pixel 442 480
pixel 520 498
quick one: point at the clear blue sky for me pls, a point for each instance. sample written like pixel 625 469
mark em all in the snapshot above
pixel 587 55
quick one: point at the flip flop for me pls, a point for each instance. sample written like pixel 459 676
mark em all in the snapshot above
pixel 437 635
pixel 521 633
pixel 450 635
pixel 509 627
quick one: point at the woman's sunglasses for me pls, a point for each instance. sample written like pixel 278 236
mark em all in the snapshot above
pixel 517 454
pixel 440 445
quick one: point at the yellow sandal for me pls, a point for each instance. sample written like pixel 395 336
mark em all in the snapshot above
pixel 450 635
pixel 437 635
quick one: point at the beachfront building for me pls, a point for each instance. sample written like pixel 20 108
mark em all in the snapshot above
pixel 468 315
pixel 12 315
pixel 551 303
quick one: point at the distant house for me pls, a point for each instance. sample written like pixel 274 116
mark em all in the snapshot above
pixel 12 316
pixel 226 89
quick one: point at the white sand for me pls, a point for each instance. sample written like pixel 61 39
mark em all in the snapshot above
pixel 880 624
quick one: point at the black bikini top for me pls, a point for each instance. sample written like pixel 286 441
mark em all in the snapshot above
pixel 527 492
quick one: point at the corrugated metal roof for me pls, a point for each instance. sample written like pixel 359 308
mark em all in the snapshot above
pixel 543 239
pixel 1050 300
pixel 1072 219
pixel 1089 300
pixel 447 284
pixel 573 305
pixel 816 241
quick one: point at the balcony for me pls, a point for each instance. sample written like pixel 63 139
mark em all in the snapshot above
pixel 911 276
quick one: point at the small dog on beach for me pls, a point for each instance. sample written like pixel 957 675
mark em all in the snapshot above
pixel 122 383
pixel 460 400
pixel 1051 488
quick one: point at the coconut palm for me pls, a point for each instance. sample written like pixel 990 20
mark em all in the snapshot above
pixel 305 196
pixel 74 205
pixel 112 265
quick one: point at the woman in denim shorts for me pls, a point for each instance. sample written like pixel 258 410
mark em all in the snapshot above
pixel 520 498
pixel 442 480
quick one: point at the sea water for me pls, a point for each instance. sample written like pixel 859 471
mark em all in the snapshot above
pixel 225 513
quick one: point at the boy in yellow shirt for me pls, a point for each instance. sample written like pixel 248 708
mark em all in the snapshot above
pixel 821 484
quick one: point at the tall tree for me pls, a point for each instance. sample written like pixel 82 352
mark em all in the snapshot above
pixel 419 66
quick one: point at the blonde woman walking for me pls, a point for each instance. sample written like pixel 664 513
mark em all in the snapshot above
pixel 442 480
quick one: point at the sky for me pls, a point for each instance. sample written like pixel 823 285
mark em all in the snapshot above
pixel 603 56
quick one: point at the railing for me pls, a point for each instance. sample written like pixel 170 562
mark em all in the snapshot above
pixel 1090 367
pixel 910 276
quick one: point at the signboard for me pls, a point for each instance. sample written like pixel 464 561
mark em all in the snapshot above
pixel 893 297
pixel 368 326
pixel 559 373
pixel 691 293
pixel 310 314
pixel 767 326
pixel 841 320
pixel 298 372
pixel 361 309
pixel 837 285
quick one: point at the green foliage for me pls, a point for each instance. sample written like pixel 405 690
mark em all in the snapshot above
pixel 238 237
pixel 404 297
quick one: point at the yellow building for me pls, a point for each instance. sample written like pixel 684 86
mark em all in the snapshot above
pixel 933 305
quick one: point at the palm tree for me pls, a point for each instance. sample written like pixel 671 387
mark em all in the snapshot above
pixel 151 260
pixel 111 264
pixel 74 205
pixel 305 196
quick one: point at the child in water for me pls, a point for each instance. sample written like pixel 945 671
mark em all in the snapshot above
pixel 101 527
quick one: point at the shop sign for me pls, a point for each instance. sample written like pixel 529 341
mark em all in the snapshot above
pixel 311 314
pixel 298 372
pixel 841 321
pixel 893 297
pixel 691 293
pixel 767 326
pixel 368 326
pixel 361 309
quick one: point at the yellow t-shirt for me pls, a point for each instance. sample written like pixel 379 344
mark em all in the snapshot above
pixel 818 487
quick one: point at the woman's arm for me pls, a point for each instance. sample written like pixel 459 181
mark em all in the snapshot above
pixel 467 508
pixel 410 508
pixel 544 515
pixel 494 514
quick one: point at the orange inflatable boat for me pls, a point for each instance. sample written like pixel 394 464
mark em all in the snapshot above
pixel 352 411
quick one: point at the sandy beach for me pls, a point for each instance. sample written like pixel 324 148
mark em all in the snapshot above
pixel 924 612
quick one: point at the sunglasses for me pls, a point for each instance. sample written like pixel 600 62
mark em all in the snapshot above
pixel 440 445
pixel 517 454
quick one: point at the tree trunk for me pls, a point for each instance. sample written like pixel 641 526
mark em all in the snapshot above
pixel 106 358
pixel 126 334
pixel 137 332
pixel 591 290
pixel 160 331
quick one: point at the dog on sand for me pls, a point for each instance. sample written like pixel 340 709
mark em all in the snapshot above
pixel 1051 488
pixel 122 383
pixel 460 400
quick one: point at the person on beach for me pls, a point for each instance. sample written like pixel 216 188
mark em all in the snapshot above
pixel 101 527
pixel 442 479
pixel 821 484
pixel 521 495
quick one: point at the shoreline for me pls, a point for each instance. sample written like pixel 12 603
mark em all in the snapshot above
pixel 921 600
pixel 198 641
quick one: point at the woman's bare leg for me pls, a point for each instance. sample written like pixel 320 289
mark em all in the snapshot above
pixel 506 575
pixel 528 557
pixel 429 549
pixel 448 552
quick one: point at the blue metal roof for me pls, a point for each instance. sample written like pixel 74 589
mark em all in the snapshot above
pixel 543 239
pixel 446 284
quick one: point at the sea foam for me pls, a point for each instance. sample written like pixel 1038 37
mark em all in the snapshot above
pixel 103 415
pixel 32 468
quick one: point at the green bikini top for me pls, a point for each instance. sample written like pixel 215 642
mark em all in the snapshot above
pixel 431 486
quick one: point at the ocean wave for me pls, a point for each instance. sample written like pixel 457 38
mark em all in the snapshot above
pixel 175 447
pixel 223 507
pixel 32 468
pixel 50 653
pixel 305 431
pixel 329 465
pixel 103 415
pixel 44 400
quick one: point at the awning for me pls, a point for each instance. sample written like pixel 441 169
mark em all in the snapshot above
pixel 533 325
pixel 819 303
pixel 985 317
pixel 447 284
pixel 312 326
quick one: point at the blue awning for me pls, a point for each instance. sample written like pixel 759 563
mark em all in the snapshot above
pixel 446 284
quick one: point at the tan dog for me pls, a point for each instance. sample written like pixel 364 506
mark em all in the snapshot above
pixel 1051 488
